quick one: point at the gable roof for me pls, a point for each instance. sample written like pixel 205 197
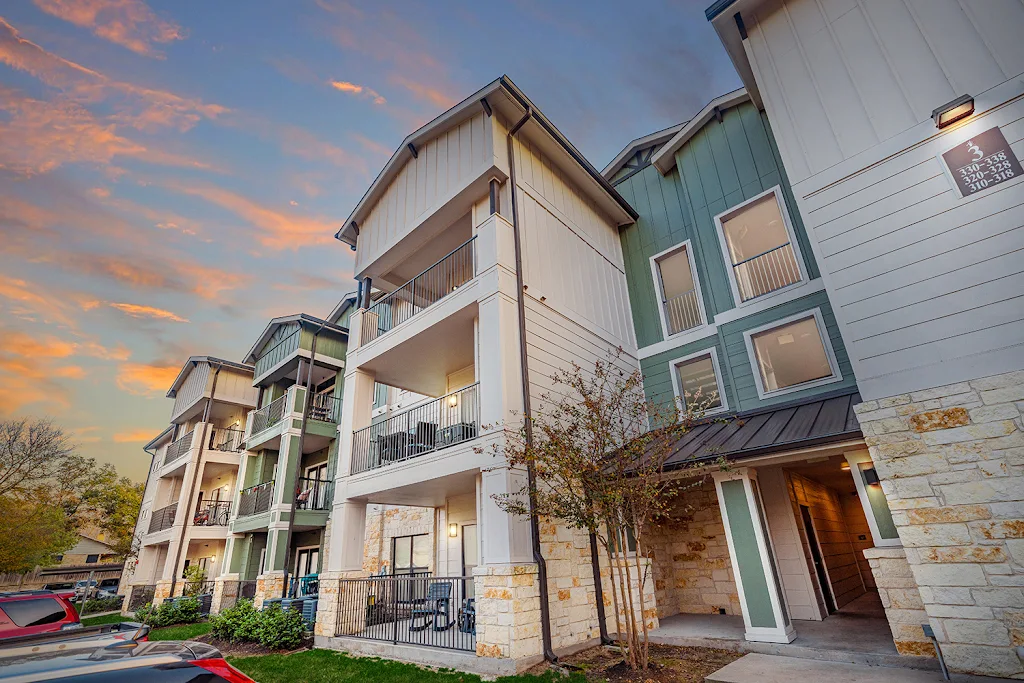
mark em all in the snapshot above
pixel 665 158
pixel 487 98
pixel 641 143
pixel 159 439
pixel 196 360
pixel 301 318
pixel 347 302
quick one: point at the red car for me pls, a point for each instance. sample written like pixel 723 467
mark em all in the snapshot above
pixel 27 613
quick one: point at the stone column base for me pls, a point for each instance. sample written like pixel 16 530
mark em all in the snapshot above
pixel 507 611
pixel 901 599
pixel 268 586
pixel 225 593
pixel 162 592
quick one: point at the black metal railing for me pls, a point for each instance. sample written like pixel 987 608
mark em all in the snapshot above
pixel 766 272
pixel 163 518
pixel 256 499
pixel 276 353
pixel 269 415
pixel 141 595
pixel 682 312
pixel 227 439
pixel 437 424
pixel 213 513
pixel 179 448
pixel 428 611
pixel 423 291
pixel 203 587
pixel 325 408
pixel 313 494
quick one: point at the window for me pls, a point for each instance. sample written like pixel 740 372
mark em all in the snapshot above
pixel 613 541
pixel 92 559
pixel 759 246
pixel 410 554
pixel 792 354
pixel 35 612
pixel 697 380
pixel 681 307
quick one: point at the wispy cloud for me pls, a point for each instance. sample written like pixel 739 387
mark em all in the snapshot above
pixel 150 312
pixel 29 302
pixel 134 436
pixel 430 93
pixel 353 89
pixel 144 379
pixel 128 23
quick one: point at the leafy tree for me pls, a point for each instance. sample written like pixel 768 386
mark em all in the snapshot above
pixel 599 468
pixel 32 534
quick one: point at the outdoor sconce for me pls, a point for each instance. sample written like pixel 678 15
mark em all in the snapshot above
pixel 871 477
pixel 845 467
pixel 453 400
pixel 951 112
pixel 453 530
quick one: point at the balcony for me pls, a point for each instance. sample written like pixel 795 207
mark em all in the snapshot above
pixel 256 499
pixel 227 439
pixel 325 408
pixel 313 494
pixel 178 448
pixel 162 518
pixel 766 272
pixel 421 292
pixel 212 513
pixel 682 312
pixel 277 353
pixel 440 423
pixel 267 416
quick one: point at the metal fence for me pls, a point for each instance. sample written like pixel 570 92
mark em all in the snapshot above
pixel 269 415
pixel 204 587
pixel 162 518
pixel 227 439
pixel 313 494
pixel 213 513
pixel 424 290
pixel 235 591
pixel 766 272
pixel 415 610
pixel 682 312
pixel 256 499
pixel 141 595
pixel 179 448
pixel 437 424
pixel 325 408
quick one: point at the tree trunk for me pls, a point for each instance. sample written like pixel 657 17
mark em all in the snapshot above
pixel 642 580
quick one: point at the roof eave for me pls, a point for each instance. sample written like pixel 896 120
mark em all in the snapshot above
pixel 648 140
pixel 665 158
pixel 158 438
pixel 250 357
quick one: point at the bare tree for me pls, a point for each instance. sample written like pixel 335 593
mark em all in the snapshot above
pixel 600 468
pixel 32 453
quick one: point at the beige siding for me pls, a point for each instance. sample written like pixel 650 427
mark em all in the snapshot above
pixel 192 389
pixel 444 166
pixel 236 387
pixel 839 76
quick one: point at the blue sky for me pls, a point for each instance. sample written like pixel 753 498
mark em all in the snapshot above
pixel 171 173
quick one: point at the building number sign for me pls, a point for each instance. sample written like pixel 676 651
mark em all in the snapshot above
pixel 981 162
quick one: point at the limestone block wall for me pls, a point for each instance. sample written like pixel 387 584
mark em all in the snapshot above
pixel 508 611
pixel 571 595
pixel 951 461
pixel 901 599
pixel 385 522
pixel 691 568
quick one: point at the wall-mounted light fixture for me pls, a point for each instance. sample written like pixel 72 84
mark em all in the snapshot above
pixel 953 111
pixel 845 467
pixel 453 530
pixel 871 476
pixel 453 400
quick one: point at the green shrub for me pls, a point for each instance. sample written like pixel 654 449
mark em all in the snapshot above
pixel 181 611
pixel 101 605
pixel 237 624
pixel 281 628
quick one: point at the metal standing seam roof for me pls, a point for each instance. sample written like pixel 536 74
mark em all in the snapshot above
pixel 824 420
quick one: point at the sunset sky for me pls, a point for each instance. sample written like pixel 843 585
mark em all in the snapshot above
pixel 171 173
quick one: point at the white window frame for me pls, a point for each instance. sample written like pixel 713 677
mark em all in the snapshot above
pixel 659 290
pixel 787 221
pixel 677 389
pixel 826 342
pixel 855 460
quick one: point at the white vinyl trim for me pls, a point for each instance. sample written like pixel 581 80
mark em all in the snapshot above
pixel 659 289
pixel 826 342
pixel 678 390
pixel 855 459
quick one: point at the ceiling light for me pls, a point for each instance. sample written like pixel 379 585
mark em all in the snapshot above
pixel 953 111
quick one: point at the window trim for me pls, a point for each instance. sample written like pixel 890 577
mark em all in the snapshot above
pixel 727 256
pixel 659 289
pixel 826 342
pixel 677 388
pixel 412 549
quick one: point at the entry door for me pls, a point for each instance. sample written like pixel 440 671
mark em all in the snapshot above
pixel 317 479
pixel 307 561
pixel 470 556
pixel 816 558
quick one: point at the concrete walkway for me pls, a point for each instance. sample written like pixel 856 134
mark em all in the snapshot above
pixel 758 668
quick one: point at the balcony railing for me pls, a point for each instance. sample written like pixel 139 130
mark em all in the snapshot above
pixel 766 272
pixel 277 353
pixel 268 416
pixel 440 423
pixel 256 499
pixel 423 291
pixel 162 518
pixel 228 439
pixel 325 408
pixel 212 513
pixel 682 312
pixel 313 494
pixel 178 448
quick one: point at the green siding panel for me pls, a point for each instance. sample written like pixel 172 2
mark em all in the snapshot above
pixel 748 555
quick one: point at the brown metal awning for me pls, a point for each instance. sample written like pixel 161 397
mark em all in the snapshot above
pixel 824 420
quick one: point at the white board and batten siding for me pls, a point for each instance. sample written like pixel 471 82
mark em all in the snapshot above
pixel 577 303
pixel 233 386
pixel 443 167
pixel 927 286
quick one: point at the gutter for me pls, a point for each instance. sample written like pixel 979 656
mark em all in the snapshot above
pixel 538 557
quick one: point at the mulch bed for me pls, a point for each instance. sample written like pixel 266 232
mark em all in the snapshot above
pixel 668 664
pixel 229 649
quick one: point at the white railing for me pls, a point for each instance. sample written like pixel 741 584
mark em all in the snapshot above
pixel 766 272
pixel 682 312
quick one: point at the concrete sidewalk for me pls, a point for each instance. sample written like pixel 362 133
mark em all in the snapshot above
pixel 758 668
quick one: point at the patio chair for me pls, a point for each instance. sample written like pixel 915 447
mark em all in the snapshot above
pixel 436 605
pixel 467 616
pixel 424 439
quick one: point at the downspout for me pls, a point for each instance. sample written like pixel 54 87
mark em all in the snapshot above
pixel 538 557
pixel 195 476
pixel 298 459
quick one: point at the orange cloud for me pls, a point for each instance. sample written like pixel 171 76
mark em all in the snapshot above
pixel 134 436
pixel 31 303
pixel 128 23
pixel 353 89
pixel 373 146
pixel 431 94
pixel 86 435
pixel 141 311
pixel 142 379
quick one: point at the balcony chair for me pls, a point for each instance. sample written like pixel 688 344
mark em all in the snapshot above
pixel 393 447
pixel 436 605
pixel 467 616
pixel 424 439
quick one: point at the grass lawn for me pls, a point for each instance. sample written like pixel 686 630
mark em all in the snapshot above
pixel 105 619
pixel 180 631
pixel 328 666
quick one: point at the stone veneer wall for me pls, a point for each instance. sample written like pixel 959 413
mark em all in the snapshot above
pixel 692 571
pixel 572 605
pixel 384 522
pixel 951 461
pixel 901 599
pixel 508 612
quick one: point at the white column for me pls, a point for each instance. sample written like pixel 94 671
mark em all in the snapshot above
pixel 348 535
pixel 505 537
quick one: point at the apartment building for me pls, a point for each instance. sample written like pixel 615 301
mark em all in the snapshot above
pixel 187 503
pixel 899 125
